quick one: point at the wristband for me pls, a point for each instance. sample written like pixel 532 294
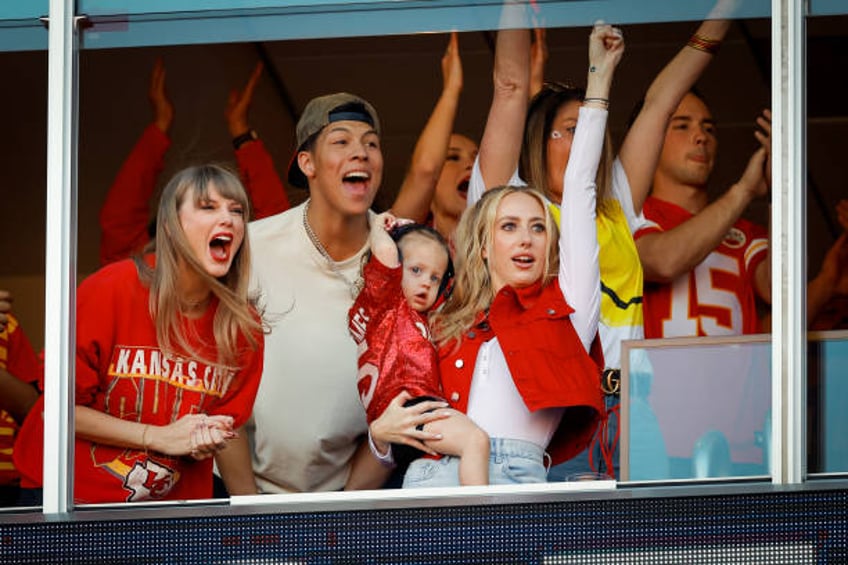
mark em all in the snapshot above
pixel 705 44
pixel 249 135
pixel 385 459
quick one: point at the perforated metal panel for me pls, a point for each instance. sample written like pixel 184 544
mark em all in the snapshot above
pixel 802 527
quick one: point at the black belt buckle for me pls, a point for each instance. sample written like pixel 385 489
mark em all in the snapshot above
pixel 611 382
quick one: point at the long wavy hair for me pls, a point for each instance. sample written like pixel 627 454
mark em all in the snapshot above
pixel 472 290
pixel 533 164
pixel 236 316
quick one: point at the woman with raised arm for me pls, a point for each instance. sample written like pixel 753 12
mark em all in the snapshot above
pixel 435 187
pixel 516 333
pixel 542 152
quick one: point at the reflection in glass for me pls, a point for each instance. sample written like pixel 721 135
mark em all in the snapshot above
pixel 828 398
pixel 702 409
pixel 698 410
pixel 23 205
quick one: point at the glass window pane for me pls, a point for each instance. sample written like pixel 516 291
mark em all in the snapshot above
pixel 697 411
pixel 141 23
pixel 828 418
pixel 398 72
pixel 827 125
pixel 22 244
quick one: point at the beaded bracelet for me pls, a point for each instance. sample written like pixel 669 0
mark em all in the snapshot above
pixel 704 44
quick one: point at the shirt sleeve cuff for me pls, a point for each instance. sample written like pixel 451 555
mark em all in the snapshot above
pixel 385 459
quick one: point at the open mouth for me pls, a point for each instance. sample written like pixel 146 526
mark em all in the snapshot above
pixel 220 247
pixel 359 179
pixel 524 261
pixel 421 300
pixel 462 188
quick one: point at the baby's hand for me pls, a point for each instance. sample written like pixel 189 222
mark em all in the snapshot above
pixel 390 222
pixel 386 220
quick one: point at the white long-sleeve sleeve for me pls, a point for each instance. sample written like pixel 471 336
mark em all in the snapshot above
pixel 579 275
pixel 476 185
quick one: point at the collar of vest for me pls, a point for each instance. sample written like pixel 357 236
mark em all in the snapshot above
pixel 525 297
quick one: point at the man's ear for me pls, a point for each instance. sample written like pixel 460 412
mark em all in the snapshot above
pixel 304 161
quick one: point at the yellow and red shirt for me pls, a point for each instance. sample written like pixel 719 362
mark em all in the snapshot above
pixel 18 358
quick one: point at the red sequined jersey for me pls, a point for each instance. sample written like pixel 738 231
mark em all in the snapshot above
pixel 394 348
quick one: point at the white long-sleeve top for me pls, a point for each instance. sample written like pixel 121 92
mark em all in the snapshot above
pixel 494 402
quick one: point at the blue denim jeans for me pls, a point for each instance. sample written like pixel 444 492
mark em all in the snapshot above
pixel 511 461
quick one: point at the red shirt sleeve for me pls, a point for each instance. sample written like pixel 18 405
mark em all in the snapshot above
pixel 757 250
pixel 654 220
pixel 126 211
pixel 21 360
pixel 260 178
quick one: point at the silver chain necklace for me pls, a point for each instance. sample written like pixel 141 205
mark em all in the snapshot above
pixel 353 286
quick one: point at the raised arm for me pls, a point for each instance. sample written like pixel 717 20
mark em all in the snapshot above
pixel 641 148
pixel 383 246
pixel 500 146
pixel 126 210
pixel 416 192
pixel 762 274
pixel 832 278
pixel 668 254
pixel 538 60
pixel 579 275
pixel 163 109
pixel 267 192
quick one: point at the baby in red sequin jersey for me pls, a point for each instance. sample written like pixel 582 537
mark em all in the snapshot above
pixel 406 275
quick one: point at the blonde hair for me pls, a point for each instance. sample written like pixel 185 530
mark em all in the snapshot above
pixel 472 291
pixel 533 164
pixel 236 315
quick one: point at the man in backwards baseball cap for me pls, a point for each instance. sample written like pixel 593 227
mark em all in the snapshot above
pixel 319 113
pixel 309 422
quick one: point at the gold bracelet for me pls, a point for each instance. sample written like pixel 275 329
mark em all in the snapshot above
pixel 144 437
pixel 705 44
